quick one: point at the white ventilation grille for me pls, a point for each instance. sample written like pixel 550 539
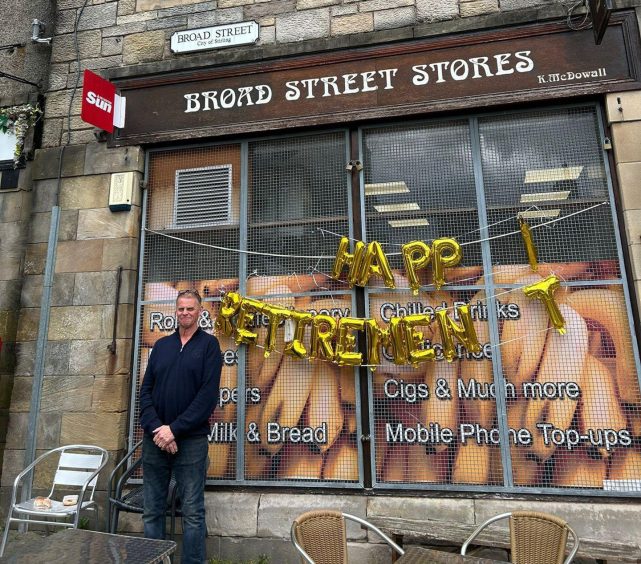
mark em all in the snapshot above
pixel 203 197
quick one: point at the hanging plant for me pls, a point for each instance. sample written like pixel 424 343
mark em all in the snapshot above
pixel 17 120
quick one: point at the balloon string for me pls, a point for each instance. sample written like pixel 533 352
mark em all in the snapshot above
pixel 527 335
pixel 228 249
pixel 543 224
pixel 511 218
pixel 332 257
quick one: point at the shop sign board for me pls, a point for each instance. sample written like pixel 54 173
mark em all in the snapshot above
pixel 98 97
pixel 101 106
pixel 230 35
pixel 538 62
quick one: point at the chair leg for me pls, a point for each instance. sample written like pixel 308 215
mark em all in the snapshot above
pixel 398 539
pixel 113 525
pixel 5 534
pixel 173 514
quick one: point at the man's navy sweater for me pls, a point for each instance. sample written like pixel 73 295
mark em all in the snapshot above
pixel 180 387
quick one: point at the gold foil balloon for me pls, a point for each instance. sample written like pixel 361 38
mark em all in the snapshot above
pixel 323 332
pixel 275 314
pixel 228 308
pixel 295 347
pixel 346 343
pixel 416 255
pixel 544 291
pixel 530 248
pixel 248 308
pixel 397 335
pixel 355 270
pixel 446 253
pixel 375 262
pixel 414 339
pixel 344 258
pixel 464 332
pixel 376 338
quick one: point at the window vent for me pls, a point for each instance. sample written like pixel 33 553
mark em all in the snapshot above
pixel 203 197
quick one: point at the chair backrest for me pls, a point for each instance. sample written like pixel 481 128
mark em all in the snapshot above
pixel 130 463
pixel 322 535
pixel 537 538
pixel 76 466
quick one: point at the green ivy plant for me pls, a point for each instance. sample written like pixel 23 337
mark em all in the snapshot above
pixel 17 120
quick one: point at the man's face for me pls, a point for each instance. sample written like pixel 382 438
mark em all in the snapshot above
pixel 187 311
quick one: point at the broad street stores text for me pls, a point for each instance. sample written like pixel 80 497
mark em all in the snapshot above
pixel 502 64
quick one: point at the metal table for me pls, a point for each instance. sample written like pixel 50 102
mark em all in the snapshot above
pixel 419 555
pixel 78 545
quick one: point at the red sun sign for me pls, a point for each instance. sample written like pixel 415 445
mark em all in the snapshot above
pixel 98 101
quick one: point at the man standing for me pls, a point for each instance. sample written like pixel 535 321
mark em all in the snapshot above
pixel 178 394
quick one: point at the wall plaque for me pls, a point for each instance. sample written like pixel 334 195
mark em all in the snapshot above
pixel 230 35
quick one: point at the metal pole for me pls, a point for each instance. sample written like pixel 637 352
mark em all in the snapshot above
pixel 41 343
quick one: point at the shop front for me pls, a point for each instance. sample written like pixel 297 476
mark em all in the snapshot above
pixel 437 154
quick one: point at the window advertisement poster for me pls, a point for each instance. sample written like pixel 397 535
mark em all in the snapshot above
pixel 477 335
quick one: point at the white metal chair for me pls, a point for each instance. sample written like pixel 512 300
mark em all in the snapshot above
pixel 535 538
pixel 77 470
pixel 320 536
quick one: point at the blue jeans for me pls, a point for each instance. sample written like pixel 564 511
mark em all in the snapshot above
pixel 189 466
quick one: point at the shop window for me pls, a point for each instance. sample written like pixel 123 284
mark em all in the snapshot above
pixel 304 426
pixel 441 424
pixel 7 146
pixel 532 410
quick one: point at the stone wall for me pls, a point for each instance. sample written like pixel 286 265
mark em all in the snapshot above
pixel 18 55
pixel 624 116
pixel 23 59
pixel 15 210
pixel 244 525
pixel 86 388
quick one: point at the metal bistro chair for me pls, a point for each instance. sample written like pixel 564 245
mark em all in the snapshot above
pixel 78 467
pixel 127 497
pixel 320 536
pixel 535 538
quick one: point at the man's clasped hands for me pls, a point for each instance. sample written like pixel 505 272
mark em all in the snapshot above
pixel 164 439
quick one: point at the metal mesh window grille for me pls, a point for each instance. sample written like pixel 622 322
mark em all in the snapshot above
pixel 192 258
pixel 304 428
pixel 301 419
pixel 203 197
pixel 532 410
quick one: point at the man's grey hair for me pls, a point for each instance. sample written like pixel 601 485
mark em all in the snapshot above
pixel 189 294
